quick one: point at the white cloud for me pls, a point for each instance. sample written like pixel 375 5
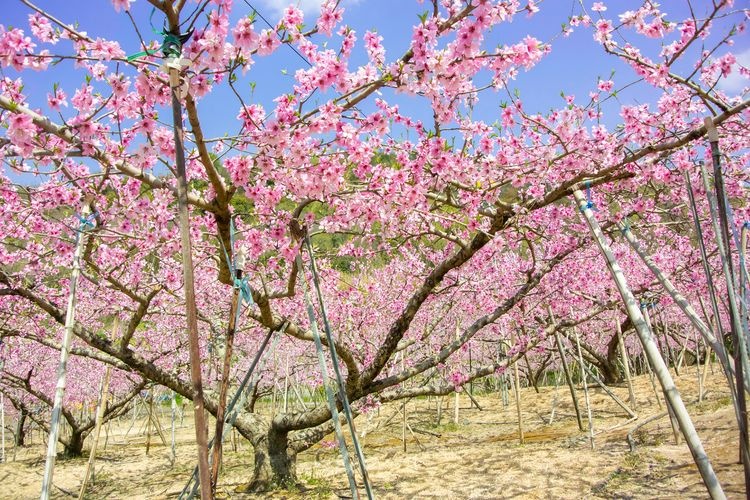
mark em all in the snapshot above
pixel 311 8
pixel 736 82
pixel 276 7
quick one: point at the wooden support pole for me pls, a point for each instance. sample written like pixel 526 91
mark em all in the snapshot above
pixel 149 419
pixel 457 399
pixel 585 388
pixel 101 407
pixel 403 407
pixel 286 384
pixel 677 297
pixel 611 393
pixel 672 422
pixel 517 390
pixel 742 371
pixel 651 350
pixel 235 308
pixel 625 364
pixel 566 371
pixel 174 417
pixel 201 427
pixel 2 427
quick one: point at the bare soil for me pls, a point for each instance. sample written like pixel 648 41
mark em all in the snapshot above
pixel 480 457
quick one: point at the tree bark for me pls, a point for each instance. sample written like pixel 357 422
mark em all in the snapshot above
pixel 275 463
pixel 20 437
pixel 74 446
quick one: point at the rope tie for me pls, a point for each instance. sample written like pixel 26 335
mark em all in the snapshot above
pixel 625 226
pixel 240 284
pixel 589 202
pixel 171 45
pixel 86 223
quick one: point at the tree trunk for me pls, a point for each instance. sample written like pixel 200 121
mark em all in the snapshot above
pixel 74 447
pixel 275 464
pixel 610 370
pixel 21 428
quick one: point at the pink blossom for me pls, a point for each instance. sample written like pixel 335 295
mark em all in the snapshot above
pixel 292 17
pixel 122 4
pixel 268 42
pixel 244 35
pixel 605 85
pixel 54 101
pixel 329 17
pixel 42 28
pixel 603 29
pixel 598 7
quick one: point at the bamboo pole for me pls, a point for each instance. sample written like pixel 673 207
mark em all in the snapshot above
pixel 566 371
pixel 456 400
pixel 329 395
pixel 439 409
pixel 555 396
pixel 737 398
pixel 149 419
pixel 665 379
pixel 403 408
pixel 676 296
pixel 286 384
pixel 247 386
pixel 585 388
pixel 101 407
pixel 158 428
pixel 504 389
pixel 337 371
pixel 2 426
pixel 62 368
pixel 234 311
pixel 19 425
pixel 707 272
pixel 174 417
pixel 721 233
pixel 517 391
pixel 610 393
pixel 626 364
pixel 299 396
pixel 698 367
pixel 672 421
pixel 683 354
pixel 676 354
pixel 201 427
pixel 653 382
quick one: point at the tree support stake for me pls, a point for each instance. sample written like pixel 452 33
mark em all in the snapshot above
pixel 652 353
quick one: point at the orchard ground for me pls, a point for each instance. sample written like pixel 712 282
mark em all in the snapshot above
pixel 478 458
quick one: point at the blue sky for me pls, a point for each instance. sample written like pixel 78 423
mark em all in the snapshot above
pixel 572 67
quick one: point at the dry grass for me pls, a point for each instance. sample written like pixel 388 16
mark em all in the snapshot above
pixel 478 458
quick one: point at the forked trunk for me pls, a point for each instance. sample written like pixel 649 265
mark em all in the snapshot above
pixel 74 447
pixel 275 464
